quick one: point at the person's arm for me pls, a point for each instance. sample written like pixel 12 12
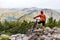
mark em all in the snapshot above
pixel 36 16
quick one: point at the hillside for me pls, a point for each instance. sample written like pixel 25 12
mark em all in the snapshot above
pixel 26 14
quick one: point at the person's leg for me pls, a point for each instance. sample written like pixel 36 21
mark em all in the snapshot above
pixel 39 23
pixel 43 25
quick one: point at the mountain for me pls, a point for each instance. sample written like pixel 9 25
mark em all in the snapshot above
pixel 10 14
pixel 27 14
pixel 48 12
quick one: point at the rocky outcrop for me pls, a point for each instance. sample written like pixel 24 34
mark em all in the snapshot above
pixel 38 34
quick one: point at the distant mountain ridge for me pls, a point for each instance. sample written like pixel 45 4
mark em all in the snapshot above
pixel 26 14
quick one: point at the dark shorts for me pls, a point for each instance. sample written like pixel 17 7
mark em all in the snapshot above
pixel 43 23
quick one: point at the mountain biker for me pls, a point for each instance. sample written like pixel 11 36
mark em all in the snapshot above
pixel 42 18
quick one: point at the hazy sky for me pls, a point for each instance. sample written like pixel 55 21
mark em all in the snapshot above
pixel 53 4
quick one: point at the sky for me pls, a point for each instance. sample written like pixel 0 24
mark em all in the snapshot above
pixel 51 4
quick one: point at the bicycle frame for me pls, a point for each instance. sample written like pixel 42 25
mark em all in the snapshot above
pixel 35 24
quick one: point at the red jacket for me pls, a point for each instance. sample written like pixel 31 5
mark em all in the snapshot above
pixel 42 17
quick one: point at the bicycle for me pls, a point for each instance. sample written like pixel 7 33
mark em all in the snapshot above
pixel 35 26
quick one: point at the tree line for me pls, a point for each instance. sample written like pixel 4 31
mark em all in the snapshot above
pixel 14 27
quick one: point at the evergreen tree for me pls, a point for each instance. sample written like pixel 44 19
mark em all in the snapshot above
pixel 51 22
pixel 58 23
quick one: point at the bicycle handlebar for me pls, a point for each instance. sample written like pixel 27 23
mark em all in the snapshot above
pixel 37 20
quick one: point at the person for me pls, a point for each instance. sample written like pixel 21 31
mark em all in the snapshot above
pixel 42 19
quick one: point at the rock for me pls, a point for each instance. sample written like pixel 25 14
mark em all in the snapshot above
pixel 47 34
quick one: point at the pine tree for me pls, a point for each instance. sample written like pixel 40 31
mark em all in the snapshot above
pixel 51 22
pixel 58 23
